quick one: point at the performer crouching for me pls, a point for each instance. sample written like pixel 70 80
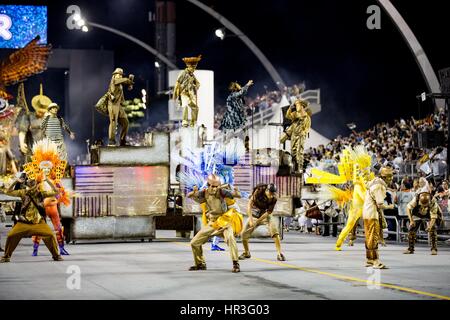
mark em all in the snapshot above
pixel 422 209
pixel 218 220
pixel 260 206
pixel 31 220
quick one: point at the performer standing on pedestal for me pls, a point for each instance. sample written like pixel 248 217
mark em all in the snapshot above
pixel 298 131
pixel 185 91
pixel 235 118
pixel 52 126
pixel 115 110
pixel 373 215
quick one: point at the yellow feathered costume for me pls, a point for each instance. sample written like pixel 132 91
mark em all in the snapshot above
pixel 354 170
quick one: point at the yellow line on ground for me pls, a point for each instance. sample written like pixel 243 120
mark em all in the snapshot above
pixel 346 278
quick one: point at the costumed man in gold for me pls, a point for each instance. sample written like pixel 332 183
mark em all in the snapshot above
pixel 373 214
pixel 185 91
pixel 219 219
pixel 422 209
pixel 260 206
pixel 117 115
pixel 31 220
pixel 298 131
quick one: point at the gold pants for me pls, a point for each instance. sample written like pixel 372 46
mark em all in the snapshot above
pixel 207 232
pixel 350 228
pixel 298 143
pixel 372 233
pixel 270 221
pixel 188 103
pixel 21 230
pixel 117 116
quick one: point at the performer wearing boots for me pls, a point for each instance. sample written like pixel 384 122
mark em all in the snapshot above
pixel 298 131
pixel 235 118
pixel 51 206
pixel 373 215
pixel 46 165
pixel 218 219
pixel 52 127
pixel 422 209
pixel 115 110
pixel 31 220
pixel 260 206
pixel 185 91
pixel 215 244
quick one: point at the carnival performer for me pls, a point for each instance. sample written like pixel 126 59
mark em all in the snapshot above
pixel 31 220
pixel 52 127
pixel 185 91
pixel 297 132
pixel 46 165
pixel 116 112
pixel 354 173
pixel 260 207
pixel 423 209
pixel 218 220
pixel 234 117
pixel 373 215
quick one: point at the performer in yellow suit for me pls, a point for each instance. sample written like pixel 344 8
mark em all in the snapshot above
pixel 354 170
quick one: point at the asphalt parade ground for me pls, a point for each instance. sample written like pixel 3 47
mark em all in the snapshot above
pixel 158 270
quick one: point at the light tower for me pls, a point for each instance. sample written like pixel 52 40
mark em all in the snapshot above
pixel 164 39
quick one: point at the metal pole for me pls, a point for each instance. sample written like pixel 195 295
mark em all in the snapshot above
pixel 258 53
pixel 150 49
pixel 419 54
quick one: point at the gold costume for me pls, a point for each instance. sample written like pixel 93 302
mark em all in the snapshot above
pixel 354 169
pixel 117 115
pixel 373 215
pixel 219 219
pixel 423 209
pixel 298 131
pixel 185 91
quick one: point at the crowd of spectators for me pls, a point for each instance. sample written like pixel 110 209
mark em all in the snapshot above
pixel 394 142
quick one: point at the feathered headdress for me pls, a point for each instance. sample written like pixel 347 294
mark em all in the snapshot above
pixel 45 155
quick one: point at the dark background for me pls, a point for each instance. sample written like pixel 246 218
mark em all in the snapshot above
pixel 365 76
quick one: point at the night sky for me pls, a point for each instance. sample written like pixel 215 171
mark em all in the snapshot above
pixel 365 76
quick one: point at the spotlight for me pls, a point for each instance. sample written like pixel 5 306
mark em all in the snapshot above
pixel 84 28
pixel 81 22
pixel 76 17
pixel 157 65
pixel 220 33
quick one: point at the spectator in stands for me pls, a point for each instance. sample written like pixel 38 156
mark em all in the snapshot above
pixel 442 196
